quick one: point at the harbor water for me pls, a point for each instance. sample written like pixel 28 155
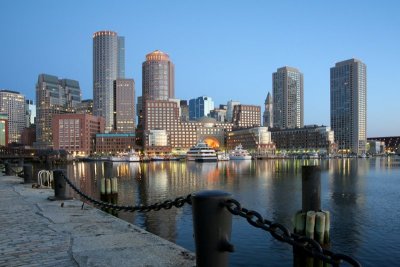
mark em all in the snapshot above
pixel 361 194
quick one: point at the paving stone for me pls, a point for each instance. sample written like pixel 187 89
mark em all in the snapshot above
pixel 38 232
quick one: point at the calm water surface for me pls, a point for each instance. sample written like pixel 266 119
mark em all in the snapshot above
pixel 361 194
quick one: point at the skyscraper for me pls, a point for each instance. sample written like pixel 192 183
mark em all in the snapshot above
pixel 53 96
pixel 268 112
pixel 13 104
pixel 124 106
pixel 157 77
pixel 288 98
pixel 108 65
pixel 349 105
pixel 200 107
pixel 229 109
pixel 121 58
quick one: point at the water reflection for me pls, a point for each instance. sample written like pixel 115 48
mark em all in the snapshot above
pixel 353 190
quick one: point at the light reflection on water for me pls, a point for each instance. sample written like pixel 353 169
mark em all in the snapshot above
pixel 361 194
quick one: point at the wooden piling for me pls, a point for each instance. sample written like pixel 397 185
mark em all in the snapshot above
pixel 114 185
pixel 319 227
pixel 310 224
pixel 103 186
pixel 108 186
pixel 327 227
pixel 300 223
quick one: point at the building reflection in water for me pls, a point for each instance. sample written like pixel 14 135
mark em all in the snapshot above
pixel 271 187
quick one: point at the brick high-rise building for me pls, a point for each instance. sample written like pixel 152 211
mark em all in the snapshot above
pixel 246 116
pixel 158 82
pixel 76 133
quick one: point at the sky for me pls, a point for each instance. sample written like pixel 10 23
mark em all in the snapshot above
pixel 227 50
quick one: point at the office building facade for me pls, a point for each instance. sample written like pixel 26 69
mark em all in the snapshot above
pixel 53 96
pixel 256 140
pixel 348 88
pixel 76 133
pixel 246 116
pixel 164 115
pixel 30 112
pixel 311 138
pixel 108 65
pixel 288 98
pixel 124 106
pixel 200 107
pixel 229 109
pixel 13 104
pixel 3 129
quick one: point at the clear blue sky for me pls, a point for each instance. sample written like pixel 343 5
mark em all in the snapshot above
pixel 223 49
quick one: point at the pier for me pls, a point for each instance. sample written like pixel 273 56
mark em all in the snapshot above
pixel 38 232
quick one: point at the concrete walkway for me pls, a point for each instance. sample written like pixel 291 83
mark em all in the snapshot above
pixel 38 232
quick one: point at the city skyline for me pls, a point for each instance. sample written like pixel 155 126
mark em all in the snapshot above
pixel 217 55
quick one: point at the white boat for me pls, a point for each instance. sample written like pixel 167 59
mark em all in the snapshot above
pixel 201 152
pixel 239 154
pixel 222 157
pixel 131 156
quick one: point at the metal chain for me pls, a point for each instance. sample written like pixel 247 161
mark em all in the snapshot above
pixel 278 231
pixel 17 172
pixel 283 234
pixel 167 204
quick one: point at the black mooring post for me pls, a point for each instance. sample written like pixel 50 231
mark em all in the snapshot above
pixel 60 186
pixel 7 168
pixel 212 224
pixel 28 174
pixel 311 188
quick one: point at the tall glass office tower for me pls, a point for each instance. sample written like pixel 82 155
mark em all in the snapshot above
pixel 288 98
pixel 53 96
pixel 200 107
pixel 108 65
pixel 349 105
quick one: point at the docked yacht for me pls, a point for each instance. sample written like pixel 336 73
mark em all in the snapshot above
pixel 239 154
pixel 222 156
pixel 131 156
pixel 201 152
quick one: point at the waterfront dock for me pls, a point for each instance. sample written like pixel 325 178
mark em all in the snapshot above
pixel 37 232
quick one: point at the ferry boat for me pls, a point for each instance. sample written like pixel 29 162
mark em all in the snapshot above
pixel 201 152
pixel 239 154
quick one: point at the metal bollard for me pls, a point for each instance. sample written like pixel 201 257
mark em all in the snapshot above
pixel 60 192
pixel 28 174
pixel 212 224
pixel 311 188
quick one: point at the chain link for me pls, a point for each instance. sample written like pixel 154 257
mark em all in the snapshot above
pixel 167 204
pixel 283 234
pixel 17 172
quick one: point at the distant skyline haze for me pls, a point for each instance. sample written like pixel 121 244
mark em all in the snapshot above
pixel 226 50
